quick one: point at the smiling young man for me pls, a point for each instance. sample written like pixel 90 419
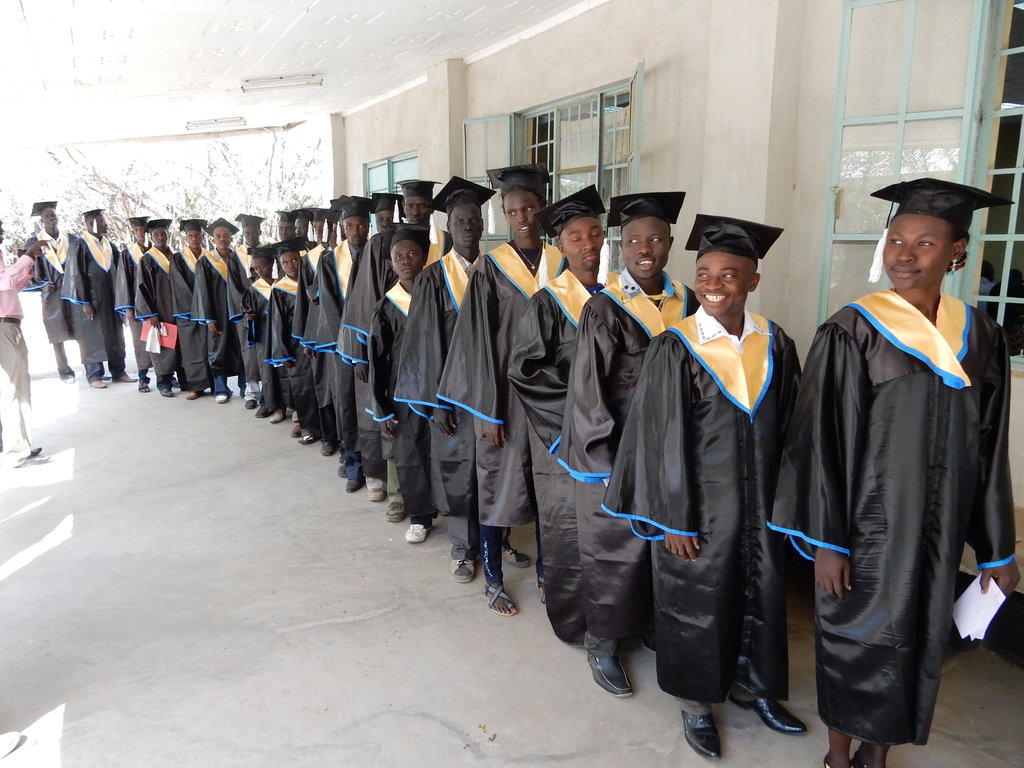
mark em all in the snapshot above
pixel 696 467
pixel 538 369
pixel 614 330
pixel 155 302
pixel 897 455
pixel 126 281
pixel 193 337
pixel 49 281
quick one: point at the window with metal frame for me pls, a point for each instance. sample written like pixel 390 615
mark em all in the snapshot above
pixel 384 175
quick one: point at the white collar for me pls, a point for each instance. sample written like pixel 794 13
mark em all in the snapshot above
pixel 631 287
pixel 709 329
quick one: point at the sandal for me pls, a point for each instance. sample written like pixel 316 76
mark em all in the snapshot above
pixel 496 592
pixel 143 386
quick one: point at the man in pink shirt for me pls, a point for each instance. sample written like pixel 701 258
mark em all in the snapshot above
pixel 15 394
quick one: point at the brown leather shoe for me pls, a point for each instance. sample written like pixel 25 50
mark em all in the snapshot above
pixel 99 384
pixel 193 395
pixel 297 430
pixel 125 379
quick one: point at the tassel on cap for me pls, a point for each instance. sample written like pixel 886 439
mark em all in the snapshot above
pixel 433 232
pixel 490 217
pixel 602 270
pixel 876 263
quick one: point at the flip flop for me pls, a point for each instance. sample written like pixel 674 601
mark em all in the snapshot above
pixel 495 592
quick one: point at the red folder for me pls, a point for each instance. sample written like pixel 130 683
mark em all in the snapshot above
pixel 169 337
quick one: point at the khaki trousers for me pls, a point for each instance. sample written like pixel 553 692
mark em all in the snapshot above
pixel 15 395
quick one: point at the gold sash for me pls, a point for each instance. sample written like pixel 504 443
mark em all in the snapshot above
pixel 436 250
pixel 136 253
pixel 400 297
pixel 161 260
pixel 287 284
pixel 244 257
pixel 507 259
pixel 217 262
pixel 186 253
pixel 744 377
pixel 314 256
pixel 653 319
pixel 941 346
pixel 570 294
pixel 57 253
pixel 455 278
pixel 343 265
pixel 102 252
pixel 263 287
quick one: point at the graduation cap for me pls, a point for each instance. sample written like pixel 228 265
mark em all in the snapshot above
pixel 317 214
pixel 302 213
pixel 333 216
pixel 417 188
pixel 222 223
pixel 89 215
pixel 586 202
pixel 727 235
pixel 458 191
pixel 263 252
pixel 293 245
pixel 533 177
pixel 956 203
pixel 386 201
pixel 157 224
pixel 661 205
pixel 337 202
pixel 418 233
pixel 193 225
pixel 247 220
pixel 137 221
pixel 288 216
pixel 356 206
pixel 38 208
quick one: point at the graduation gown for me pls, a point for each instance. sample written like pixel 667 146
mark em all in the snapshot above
pixel 613 334
pixel 126 281
pixel 154 297
pixel 538 371
pixel 410 447
pixel 89 280
pixel 334 279
pixel 256 301
pixel 216 299
pixel 475 378
pixel 241 276
pixel 283 347
pixel 192 336
pixel 48 279
pixel 699 455
pixel 438 295
pixel 892 460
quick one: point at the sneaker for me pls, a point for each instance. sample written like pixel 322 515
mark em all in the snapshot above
pixel 514 557
pixel 223 398
pixel 416 534
pixel 396 514
pixel 376 490
pixel 276 417
pixel 463 571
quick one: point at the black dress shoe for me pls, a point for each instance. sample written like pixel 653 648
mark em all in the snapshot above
pixel 354 483
pixel 702 734
pixel 166 393
pixel 772 714
pixel 328 449
pixel 609 674
pixel 251 405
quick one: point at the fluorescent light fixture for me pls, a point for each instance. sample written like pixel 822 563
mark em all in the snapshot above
pixel 273 83
pixel 216 124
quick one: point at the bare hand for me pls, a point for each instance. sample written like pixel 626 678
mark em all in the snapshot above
pixel 1006 576
pixel 832 572
pixel 289 363
pixel 388 428
pixel 363 372
pixel 310 353
pixel 495 434
pixel 684 546
pixel 250 315
pixel 130 314
pixel 214 329
pixel 444 420
pixel 88 311
pixel 155 323
pixel 35 250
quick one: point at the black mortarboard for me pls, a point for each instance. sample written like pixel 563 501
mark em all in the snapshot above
pixel 317 214
pixel 418 233
pixel 661 205
pixel 956 203
pixel 87 215
pixel 333 216
pixel 337 202
pixel 385 201
pixel 222 223
pixel 356 206
pixel 193 225
pixel 302 213
pixel 263 252
pixel 138 221
pixel 38 208
pixel 294 245
pixel 157 224
pixel 248 220
pixel 727 235
pixel 417 188
pixel 586 202
pixel 533 177
pixel 458 191
pixel 288 216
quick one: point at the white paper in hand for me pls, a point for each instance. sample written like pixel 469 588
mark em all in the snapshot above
pixel 973 611
pixel 153 341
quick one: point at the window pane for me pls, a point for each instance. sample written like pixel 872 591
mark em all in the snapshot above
pixel 873 80
pixel 578 126
pixel 992 256
pixel 617 146
pixel 568 183
pixel 377 177
pixel 941 51
pixel 931 148
pixel 999 217
pixel 851 263
pixel 1013 83
pixel 1012 318
pixel 406 168
pixel 1007 154
pixel 867 164
pixel 614 181
pixel 497 144
pixel 475 160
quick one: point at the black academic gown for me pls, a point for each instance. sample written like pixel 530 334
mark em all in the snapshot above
pixel 538 371
pixel 305 323
pixel 283 347
pixel 126 280
pixel 428 337
pixel 333 280
pixel 256 301
pixel 48 279
pixel 885 462
pixel 241 277
pixel 410 447
pixel 192 336
pixel 693 460
pixel 475 379
pixel 216 300
pixel 89 280
pixel 610 347
pixel 154 297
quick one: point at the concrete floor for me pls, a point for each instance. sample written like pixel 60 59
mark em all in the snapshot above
pixel 185 585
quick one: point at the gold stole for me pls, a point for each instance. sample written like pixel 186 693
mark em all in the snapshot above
pixel 263 287
pixel 400 297
pixel 136 252
pixel 161 260
pixel 343 265
pixel 743 377
pixel 570 294
pixel 653 319
pixel 314 256
pixel 941 346
pixel 186 253
pixel 102 252
pixel 511 264
pixel 217 263
pixel 244 257
pixel 287 284
pixel 55 255
pixel 455 278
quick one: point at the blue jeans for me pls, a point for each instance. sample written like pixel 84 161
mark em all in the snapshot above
pixel 220 385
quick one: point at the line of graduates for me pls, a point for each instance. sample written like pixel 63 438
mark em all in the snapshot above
pixel 662 437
